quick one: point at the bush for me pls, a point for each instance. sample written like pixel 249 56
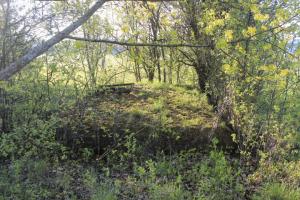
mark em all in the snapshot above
pixel 33 139
pixel 32 179
pixel 216 178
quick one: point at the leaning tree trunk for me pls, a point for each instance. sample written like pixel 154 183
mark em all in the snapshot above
pixel 38 50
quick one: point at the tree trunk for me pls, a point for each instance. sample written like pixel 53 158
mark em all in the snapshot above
pixel 178 75
pixel 151 75
pixel 38 50
pixel 170 66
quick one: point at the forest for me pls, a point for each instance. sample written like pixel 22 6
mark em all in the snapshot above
pixel 150 99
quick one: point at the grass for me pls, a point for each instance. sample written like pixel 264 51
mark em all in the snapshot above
pixel 157 102
pixel 277 191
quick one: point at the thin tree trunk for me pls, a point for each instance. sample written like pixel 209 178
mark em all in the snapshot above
pixel 164 67
pixel 170 75
pixel 178 75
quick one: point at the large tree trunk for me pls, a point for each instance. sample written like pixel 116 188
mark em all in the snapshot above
pixel 38 50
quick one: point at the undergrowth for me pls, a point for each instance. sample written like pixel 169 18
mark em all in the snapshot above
pixel 154 160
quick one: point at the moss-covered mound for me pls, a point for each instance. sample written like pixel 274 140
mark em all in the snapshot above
pixel 158 117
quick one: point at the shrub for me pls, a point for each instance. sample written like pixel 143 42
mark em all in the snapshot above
pixel 33 139
pixel 216 178
pixel 31 179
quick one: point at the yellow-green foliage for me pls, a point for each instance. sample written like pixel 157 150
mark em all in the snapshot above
pixel 283 171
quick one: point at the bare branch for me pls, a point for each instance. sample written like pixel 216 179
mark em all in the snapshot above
pixel 137 44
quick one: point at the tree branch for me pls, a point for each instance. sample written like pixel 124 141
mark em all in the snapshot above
pixel 137 44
